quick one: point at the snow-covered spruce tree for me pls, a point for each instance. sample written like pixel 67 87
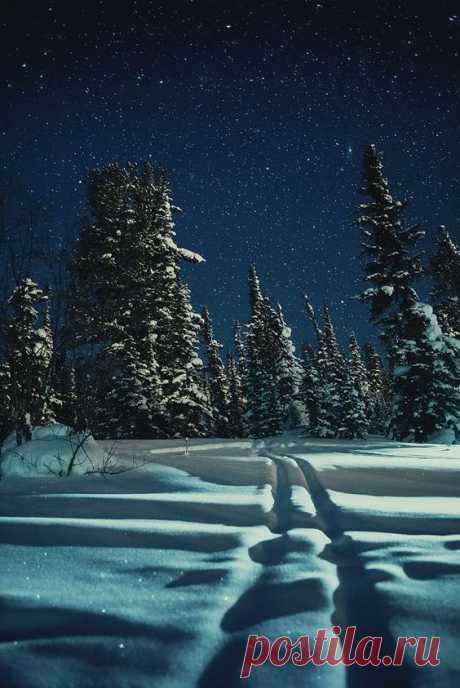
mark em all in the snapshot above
pixel 412 336
pixel 263 413
pixel 52 401
pixel 127 292
pixel 256 297
pixel 186 409
pixel 359 371
pixel 378 389
pixel 330 366
pixel 98 283
pixel 333 389
pixel 240 355
pixel 391 267
pixel 445 272
pixel 310 388
pixel 287 369
pixel 185 392
pixel 272 370
pixel 426 401
pixel 311 315
pixel 241 371
pixel 217 378
pixel 108 307
pixel 354 393
pixel 253 382
pixel 29 358
pixel 258 382
pixel 236 405
pixel 134 408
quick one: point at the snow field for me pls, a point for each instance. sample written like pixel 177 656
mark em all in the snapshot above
pixel 156 576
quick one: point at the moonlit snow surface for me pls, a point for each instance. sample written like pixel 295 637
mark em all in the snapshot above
pixel 156 576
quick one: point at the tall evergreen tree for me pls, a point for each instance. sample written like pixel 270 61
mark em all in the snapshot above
pixel 29 356
pixel 236 405
pixel 388 245
pixel 425 362
pixel 331 365
pixel 310 388
pixel 445 272
pixel 333 388
pixel 128 298
pixel 359 371
pixel 52 402
pixel 217 378
pixel 426 400
pixel 263 413
pixel 355 420
pixel 240 356
pixel 134 398
pixel 185 393
pixel 256 298
pixel 286 369
pixel 273 372
pixel 311 315
pixel 379 389
pixel 237 376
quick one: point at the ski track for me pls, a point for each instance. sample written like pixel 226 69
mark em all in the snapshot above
pixel 357 587
pixel 358 601
pixel 295 542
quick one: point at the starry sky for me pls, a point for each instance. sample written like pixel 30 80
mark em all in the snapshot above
pixel 259 111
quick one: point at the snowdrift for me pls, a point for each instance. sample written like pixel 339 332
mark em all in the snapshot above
pixel 50 452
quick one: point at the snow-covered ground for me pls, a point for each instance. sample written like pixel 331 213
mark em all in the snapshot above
pixel 155 576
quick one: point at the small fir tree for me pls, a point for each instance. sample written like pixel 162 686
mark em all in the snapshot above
pixel 236 405
pixel 216 377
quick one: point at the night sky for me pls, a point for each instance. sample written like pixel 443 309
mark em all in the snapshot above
pixel 259 112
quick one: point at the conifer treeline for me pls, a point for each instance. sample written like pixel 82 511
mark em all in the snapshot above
pixel 423 352
pixel 138 362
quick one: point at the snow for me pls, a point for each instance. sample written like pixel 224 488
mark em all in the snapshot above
pixel 191 256
pixel 156 576
pixel 388 290
pixel 412 514
pixel 50 452
pixel 184 253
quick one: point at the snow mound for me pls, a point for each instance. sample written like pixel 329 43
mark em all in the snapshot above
pixel 52 450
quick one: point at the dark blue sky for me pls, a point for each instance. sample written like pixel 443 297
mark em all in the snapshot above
pixel 258 110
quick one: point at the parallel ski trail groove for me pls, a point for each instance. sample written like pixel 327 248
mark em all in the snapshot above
pixel 281 498
pixel 357 601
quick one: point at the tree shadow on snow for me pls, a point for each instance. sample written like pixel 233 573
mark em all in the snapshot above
pixel 37 534
pixel 199 577
pixel 29 622
pixel 223 671
pixel 265 601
